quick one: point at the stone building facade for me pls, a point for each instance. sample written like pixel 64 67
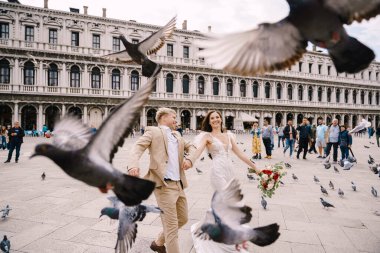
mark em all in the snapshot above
pixel 50 66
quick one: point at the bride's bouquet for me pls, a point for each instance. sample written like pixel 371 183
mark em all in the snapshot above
pixel 270 179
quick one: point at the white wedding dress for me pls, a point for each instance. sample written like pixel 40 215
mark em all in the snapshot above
pixel 221 174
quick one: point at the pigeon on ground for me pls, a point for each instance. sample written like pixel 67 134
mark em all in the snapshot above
pixel 224 221
pixel 353 186
pixel 377 213
pixel 138 52
pixel 198 171
pixel 241 143
pixel 327 166
pixel 5 245
pixel 277 46
pixel 202 159
pixel 336 169
pixel 287 165
pixel 324 191
pixel 281 182
pixel 347 165
pixel 352 159
pixel 374 169
pixel 127 216
pixel 88 157
pixel 43 176
pixel 341 163
pixel 316 179
pixel 373 191
pixel 5 212
pixel 331 185
pixel 326 204
pixel 366 146
pixel 294 177
pixel 209 156
pixel 371 160
pixel 340 193
pixel 264 203
pixel 250 177
pixel 364 123
pixel 244 150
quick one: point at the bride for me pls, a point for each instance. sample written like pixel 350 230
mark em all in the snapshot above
pixel 220 145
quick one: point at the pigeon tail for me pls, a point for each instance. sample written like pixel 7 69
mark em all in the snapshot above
pixel 351 56
pixel 132 190
pixel 266 235
pixel 149 68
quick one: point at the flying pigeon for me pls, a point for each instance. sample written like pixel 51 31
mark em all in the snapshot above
pixel 88 157
pixel 326 204
pixel 127 216
pixel 331 185
pixel 324 191
pixel 353 186
pixel 277 46
pixel 5 212
pixel 316 179
pixel 340 193
pixel 138 52
pixel 43 176
pixel 374 192
pixel 224 221
pixel 287 165
pixel 209 156
pixel 264 203
pixel 198 171
pixel 250 177
pixel 336 169
pixel 347 165
pixel 363 124
pixel 294 177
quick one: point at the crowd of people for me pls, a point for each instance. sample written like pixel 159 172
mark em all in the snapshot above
pixel 319 139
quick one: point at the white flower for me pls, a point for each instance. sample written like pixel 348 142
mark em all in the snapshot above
pixel 265 177
pixel 270 185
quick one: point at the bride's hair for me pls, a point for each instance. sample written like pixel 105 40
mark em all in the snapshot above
pixel 206 122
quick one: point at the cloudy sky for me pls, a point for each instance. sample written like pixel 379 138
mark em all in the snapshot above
pixel 223 15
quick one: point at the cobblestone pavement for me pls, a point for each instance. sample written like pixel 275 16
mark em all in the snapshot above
pixel 62 215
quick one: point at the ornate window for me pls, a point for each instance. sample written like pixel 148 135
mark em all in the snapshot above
pixel 201 85
pixel 290 92
pixel 29 33
pixel 255 89
pixel 115 44
pixel 75 76
pixel 135 80
pixel 310 93
pixel 169 83
pixel 115 79
pixel 279 91
pixel 185 84
pixel 53 75
pixel 29 73
pixel 300 92
pixel 95 78
pixel 267 90
pixel 230 88
pixel 215 86
pixel 4 71
pixel 243 89
pixel 53 36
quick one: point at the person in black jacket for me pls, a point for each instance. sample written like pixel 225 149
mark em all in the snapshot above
pixel 290 135
pixel 16 135
pixel 378 135
pixel 304 137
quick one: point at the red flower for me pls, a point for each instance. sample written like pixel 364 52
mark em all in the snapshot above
pixel 276 176
pixel 265 185
pixel 268 172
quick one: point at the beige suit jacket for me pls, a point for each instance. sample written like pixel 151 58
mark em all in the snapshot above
pixel 155 139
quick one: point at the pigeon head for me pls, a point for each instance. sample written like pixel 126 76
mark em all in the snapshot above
pixel 45 150
pixel 113 213
pixel 212 230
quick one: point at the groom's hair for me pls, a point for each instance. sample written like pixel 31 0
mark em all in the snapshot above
pixel 163 111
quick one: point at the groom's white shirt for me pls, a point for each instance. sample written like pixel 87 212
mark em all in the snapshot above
pixel 172 169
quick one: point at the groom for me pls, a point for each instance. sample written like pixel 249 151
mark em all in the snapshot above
pixel 166 169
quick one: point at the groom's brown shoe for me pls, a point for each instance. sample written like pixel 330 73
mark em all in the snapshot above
pixel 159 249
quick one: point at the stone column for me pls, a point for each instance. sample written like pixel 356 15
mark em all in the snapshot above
pixel 249 89
pixel 85 115
pixel 261 120
pixel 315 93
pixel 105 112
pixel 236 89
pixel 16 73
pixel 295 122
pixel 193 123
pixel 350 96
pixel 63 113
pixel 366 102
pixel 324 94
pixel 40 120
pixel 273 91
pixel 16 115
pixel 143 117
pixel 333 95
pixel 305 92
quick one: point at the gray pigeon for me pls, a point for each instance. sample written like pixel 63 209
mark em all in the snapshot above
pixel 138 52
pixel 264 203
pixel 336 169
pixel 294 177
pixel 366 146
pixel 341 163
pixel 353 186
pixel 364 123
pixel 43 176
pixel 331 185
pixel 5 245
pixel 352 159
pixel 202 159
pixel 209 156
pixel 287 165
pixel 371 160
pixel 373 191
pixel 324 191
pixel 223 223
pixel 374 169
pixel 127 216
pixel 250 177
pixel 326 204
pixel 316 179
pixel 340 193
pixel 88 157
pixel 277 46
pixel 347 165
pixel 327 165
pixel 5 212
pixel 198 171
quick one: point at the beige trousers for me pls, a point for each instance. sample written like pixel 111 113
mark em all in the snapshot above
pixel 172 201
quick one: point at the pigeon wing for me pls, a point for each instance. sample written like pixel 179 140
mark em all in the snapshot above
pixel 155 41
pixel 354 10
pixel 127 231
pixel 121 56
pixel 116 202
pixel 225 204
pixel 71 134
pixel 270 47
pixel 118 124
